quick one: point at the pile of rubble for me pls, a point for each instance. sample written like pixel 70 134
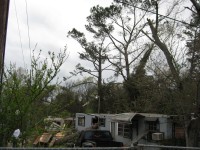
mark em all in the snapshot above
pixel 56 134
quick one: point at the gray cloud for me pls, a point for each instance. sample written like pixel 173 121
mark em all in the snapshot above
pixel 49 22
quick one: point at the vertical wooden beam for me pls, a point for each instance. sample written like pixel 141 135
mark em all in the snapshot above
pixel 4 9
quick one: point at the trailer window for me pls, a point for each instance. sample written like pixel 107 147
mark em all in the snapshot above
pixel 81 121
pixel 124 130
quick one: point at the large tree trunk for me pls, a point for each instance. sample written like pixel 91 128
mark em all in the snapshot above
pixel 197 6
pixel 167 54
pixel 140 68
pixel 192 127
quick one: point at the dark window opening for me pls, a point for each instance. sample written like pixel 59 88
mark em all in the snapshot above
pixel 81 121
pixel 102 122
pixel 124 130
pixel 152 127
pixel 95 120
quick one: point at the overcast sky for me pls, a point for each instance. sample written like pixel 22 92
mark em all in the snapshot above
pixel 49 22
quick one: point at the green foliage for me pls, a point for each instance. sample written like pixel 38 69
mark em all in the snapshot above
pixel 66 103
pixel 97 21
pixel 24 93
pixel 173 88
pixel 115 99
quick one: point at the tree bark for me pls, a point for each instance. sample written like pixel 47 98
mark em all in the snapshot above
pixel 192 127
pixel 167 54
pixel 4 9
pixel 197 6
pixel 143 61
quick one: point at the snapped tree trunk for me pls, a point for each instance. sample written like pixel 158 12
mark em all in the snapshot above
pixel 167 54
pixel 192 127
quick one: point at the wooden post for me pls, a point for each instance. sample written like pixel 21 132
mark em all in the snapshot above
pixel 4 8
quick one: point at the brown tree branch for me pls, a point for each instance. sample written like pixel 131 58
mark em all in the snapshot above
pixel 166 52
pixel 197 6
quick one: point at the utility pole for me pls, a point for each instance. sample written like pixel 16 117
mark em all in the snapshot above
pixel 4 9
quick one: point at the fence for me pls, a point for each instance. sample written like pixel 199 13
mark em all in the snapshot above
pixel 138 147
pixel 88 148
pixel 162 147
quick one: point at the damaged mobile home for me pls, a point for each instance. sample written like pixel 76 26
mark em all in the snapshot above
pixel 131 128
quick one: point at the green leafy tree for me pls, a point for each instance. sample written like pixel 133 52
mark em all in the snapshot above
pixel 23 91
pixel 116 98
pixel 181 86
pixel 122 28
pixel 183 96
pixel 95 53
pixel 66 103
pixel 84 96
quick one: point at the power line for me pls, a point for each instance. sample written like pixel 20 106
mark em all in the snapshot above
pixel 27 19
pixel 19 32
pixel 158 14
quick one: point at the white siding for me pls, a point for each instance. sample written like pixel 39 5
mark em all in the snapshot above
pixel 88 121
pixel 169 129
pixel 107 122
pixel 166 127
